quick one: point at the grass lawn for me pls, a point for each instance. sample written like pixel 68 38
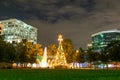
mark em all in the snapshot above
pixel 58 74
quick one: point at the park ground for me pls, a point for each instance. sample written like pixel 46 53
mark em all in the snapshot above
pixel 58 74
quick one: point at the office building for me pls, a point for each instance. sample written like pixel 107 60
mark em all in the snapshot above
pixel 17 30
pixel 101 39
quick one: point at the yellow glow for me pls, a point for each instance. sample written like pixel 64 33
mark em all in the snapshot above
pixel 60 38
pixel 34 65
pixel 44 64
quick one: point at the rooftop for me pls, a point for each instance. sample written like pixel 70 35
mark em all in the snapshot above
pixel 107 31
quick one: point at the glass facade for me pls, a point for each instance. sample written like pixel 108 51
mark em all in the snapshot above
pixel 101 39
pixel 16 30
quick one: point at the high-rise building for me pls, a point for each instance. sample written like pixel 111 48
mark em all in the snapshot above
pixel 17 30
pixel 101 39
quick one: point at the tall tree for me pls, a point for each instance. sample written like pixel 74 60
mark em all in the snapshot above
pixel 68 49
pixel 92 56
pixel 21 55
pixel 105 57
pixel 10 52
pixel 7 51
pixel 52 50
pixel 37 52
pixel 27 51
pixel 78 56
pixel 2 50
pixel 83 56
pixel 113 50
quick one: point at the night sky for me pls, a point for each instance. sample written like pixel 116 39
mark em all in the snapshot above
pixel 74 19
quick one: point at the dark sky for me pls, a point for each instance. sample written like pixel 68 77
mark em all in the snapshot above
pixel 74 19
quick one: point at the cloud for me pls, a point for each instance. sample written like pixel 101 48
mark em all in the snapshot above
pixel 81 23
pixel 75 19
pixel 50 10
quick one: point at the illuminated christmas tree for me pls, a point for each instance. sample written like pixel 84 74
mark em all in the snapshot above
pixel 60 59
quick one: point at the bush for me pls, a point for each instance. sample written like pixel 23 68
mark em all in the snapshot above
pixel 60 67
pixel 4 65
